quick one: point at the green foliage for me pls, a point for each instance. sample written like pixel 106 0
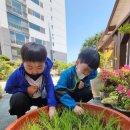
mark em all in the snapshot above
pixel 125 28
pixel 104 57
pixel 4 58
pixel 6 67
pixel 67 120
pixel 91 42
pixel 107 89
pixel 60 66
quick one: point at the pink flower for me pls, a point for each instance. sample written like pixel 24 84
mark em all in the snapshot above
pixel 128 93
pixel 121 89
pixel 127 67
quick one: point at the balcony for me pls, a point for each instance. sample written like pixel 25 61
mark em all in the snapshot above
pixel 16 43
pixel 23 28
pixel 15 11
pixel 22 1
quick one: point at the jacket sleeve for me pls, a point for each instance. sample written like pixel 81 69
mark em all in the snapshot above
pixel 12 85
pixel 51 98
pixel 62 92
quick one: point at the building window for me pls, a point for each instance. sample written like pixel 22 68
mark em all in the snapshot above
pixel 51 18
pixel 34 13
pixel 42 17
pixel 41 4
pixel 27 38
pixel 14 19
pixel 53 43
pixel 29 11
pixel 18 8
pixel 36 27
pixel 16 4
pixel 20 37
pixel 51 9
pixel 16 52
pixel 52 26
pixel 36 1
pixel 12 36
pixel 17 20
pixel 32 39
pixel 38 41
pixel 50 0
pixel 42 30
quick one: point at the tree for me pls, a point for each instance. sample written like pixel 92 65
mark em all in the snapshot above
pixel 91 42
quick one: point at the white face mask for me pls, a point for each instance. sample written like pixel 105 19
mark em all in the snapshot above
pixel 79 74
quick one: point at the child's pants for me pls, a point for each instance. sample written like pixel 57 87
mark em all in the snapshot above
pixel 84 94
pixel 20 103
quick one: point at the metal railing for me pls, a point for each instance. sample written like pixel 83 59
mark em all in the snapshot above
pixel 15 11
pixel 16 27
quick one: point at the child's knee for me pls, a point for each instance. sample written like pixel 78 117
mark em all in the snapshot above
pixel 19 100
pixel 18 97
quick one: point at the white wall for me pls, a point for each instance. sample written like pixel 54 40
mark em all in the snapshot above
pixel 4 31
pixel 59 23
pixel 33 19
pixel 3 14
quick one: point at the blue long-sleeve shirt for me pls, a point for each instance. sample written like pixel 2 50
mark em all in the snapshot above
pixel 18 83
pixel 67 82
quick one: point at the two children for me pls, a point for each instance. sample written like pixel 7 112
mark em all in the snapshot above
pixel 31 84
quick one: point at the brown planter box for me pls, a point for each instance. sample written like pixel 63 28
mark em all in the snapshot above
pixel 124 120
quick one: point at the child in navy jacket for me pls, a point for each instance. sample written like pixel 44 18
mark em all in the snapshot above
pixel 31 84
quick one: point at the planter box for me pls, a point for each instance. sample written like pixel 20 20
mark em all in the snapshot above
pixel 124 120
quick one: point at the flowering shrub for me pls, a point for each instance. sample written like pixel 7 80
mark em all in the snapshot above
pixel 123 97
pixel 116 77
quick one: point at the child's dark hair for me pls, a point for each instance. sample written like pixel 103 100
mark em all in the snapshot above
pixel 33 52
pixel 90 57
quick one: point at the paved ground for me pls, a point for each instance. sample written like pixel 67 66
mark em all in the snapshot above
pixel 5 118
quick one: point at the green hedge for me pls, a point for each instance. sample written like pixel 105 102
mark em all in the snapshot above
pixel 6 67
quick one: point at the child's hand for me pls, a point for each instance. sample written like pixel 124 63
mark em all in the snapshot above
pixel 52 112
pixel 81 85
pixel 31 90
pixel 78 110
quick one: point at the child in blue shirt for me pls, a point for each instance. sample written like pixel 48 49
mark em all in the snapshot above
pixel 74 83
pixel 31 84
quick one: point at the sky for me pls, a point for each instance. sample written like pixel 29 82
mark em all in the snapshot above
pixel 85 18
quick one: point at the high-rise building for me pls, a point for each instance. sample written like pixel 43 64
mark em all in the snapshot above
pixel 40 21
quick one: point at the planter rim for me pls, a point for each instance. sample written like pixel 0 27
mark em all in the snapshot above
pixel 91 105
pixel 123 110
